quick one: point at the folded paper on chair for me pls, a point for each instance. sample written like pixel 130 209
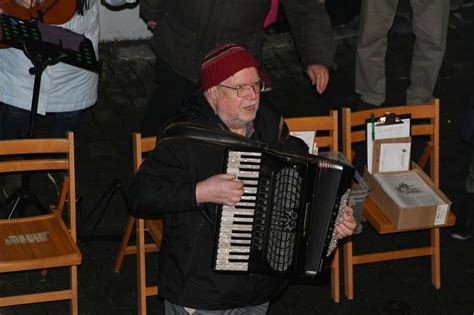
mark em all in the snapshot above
pixel 409 199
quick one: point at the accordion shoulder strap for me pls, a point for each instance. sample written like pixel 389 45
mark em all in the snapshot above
pixel 187 132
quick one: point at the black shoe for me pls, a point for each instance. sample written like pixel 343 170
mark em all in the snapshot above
pixel 463 230
pixel 461 235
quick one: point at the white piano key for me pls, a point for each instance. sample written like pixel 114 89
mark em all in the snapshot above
pixel 248 197
pixel 250 190
pixel 240 219
pixel 240 165
pixel 233 235
pixel 246 174
pixel 226 266
pixel 248 182
pixel 233 249
pixel 240 159
pixel 242 153
pixel 229 257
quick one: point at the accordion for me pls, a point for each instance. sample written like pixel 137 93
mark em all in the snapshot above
pixel 284 224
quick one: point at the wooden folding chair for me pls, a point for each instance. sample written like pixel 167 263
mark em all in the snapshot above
pixel 326 137
pixel 43 241
pixel 153 227
pixel 424 122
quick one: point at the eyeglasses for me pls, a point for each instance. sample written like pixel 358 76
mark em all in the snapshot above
pixel 245 90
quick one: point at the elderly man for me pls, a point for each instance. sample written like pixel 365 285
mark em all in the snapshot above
pixel 183 184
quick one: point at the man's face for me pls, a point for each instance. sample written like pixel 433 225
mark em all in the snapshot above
pixel 237 111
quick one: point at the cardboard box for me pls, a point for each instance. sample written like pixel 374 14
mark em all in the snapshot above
pixel 411 217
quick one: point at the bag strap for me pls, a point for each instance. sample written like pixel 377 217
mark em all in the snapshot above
pixel 192 132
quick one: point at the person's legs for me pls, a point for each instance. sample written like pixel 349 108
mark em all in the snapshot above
pixel 64 122
pixel 464 227
pixel 13 125
pixel 170 92
pixel 376 19
pixel 13 122
pixel 430 24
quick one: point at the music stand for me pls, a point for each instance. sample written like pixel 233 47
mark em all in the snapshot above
pixel 43 52
pixel 101 205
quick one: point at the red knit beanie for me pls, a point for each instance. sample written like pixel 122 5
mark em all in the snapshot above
pixel 223 62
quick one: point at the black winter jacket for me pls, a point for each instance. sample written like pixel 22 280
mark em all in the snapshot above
pixel 165 187
pixel 188 29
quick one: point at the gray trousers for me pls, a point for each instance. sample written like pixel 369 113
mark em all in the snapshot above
pixel 173 309
pixel 430 23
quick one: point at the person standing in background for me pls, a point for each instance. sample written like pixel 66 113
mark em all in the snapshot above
pixel 184 31
pixel 464 228
pixel 430 23
pixel 65 90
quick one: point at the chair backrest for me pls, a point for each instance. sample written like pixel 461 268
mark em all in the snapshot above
pixel 424 122
pixel 325 127
pixel 141 146
pixel 26 155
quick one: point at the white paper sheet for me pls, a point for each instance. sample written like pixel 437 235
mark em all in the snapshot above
pixel 394 157
pixel 308 138
pixel 385 132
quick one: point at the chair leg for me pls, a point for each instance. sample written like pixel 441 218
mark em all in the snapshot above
pixel 63 196
pixel 124 243
pixel 348 269
pixel 141 271
pixel 335 289
pixel 435 258
pixel 74 302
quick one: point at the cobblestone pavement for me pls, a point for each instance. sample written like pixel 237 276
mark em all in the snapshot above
pixel 104 155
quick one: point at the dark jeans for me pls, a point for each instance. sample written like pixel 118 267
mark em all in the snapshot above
pixel 172 89
pixel 14 123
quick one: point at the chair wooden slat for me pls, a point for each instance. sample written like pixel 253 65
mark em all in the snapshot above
pixel 34 146
pixel 33 165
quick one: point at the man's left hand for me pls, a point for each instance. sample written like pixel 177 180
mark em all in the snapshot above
pixel 346 228
pixel 319 76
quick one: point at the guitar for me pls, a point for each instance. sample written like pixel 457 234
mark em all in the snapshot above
pixel 47 11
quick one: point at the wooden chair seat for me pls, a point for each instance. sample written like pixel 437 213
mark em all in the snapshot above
pixel 35 243
pixel 155 229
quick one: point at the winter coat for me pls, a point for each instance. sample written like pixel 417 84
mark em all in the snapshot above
pixel 187 30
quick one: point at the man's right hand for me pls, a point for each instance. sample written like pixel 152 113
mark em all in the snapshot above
pixel 24 3
pixel 222 189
